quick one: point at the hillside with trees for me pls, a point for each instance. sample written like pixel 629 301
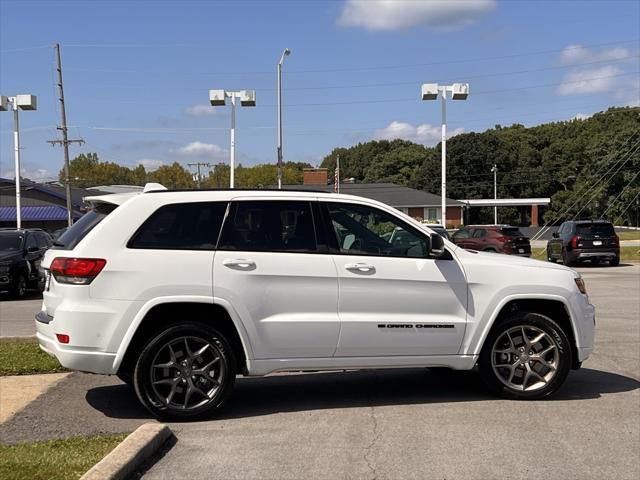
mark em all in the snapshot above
pixel 588 167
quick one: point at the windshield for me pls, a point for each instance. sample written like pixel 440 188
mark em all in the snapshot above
pixel 511 232
pixel 602 229
pixel 10 242
pixel 69 239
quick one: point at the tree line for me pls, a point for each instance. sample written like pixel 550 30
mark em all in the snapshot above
pixel 588 167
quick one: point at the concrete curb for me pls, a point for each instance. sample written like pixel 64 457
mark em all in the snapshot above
pixel 129 455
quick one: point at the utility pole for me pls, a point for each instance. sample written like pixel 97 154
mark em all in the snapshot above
pixel 198 165
pixel 495 192
pixel 65 139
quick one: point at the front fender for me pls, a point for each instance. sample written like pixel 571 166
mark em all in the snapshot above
pixel 477 336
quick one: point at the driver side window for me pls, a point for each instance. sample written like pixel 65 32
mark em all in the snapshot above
pixel 363 230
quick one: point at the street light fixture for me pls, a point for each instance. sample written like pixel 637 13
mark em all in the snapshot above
pixel 22 102
pixel 286 53
pixel 458 91
pixel 217 98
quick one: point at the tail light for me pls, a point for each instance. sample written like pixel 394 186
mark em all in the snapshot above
pixel 616 240
pixel 574 241
pixel 76 271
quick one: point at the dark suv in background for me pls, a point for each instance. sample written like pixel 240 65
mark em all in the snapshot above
pixel 578 240
pixel 493 238
pixel 21 252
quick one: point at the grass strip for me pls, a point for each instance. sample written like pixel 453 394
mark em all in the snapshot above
pixel 55 459
pixel 22 356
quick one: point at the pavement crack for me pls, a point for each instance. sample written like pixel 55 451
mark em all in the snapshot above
pixel 375 435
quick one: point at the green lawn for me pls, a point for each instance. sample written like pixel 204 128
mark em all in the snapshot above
pixel 629 235
pixel 627 254
pixel 55 459
pixel 23 356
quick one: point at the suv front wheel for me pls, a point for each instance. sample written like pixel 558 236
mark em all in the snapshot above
pixel 185 372
pixel 526 357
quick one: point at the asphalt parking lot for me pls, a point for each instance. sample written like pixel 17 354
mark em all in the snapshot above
pixel 406 423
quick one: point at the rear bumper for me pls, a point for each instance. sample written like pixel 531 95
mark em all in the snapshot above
pixel 579 254
pixel 70 357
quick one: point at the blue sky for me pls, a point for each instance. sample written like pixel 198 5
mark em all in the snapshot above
pixel 137 74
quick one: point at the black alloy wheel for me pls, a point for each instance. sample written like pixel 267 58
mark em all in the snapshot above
pixel 185 372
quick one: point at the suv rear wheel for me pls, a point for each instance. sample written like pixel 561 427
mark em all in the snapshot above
pixel 185 372
pixel 526 357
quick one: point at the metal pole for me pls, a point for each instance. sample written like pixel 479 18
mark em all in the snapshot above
pixel 279 150
pixel 233 141
pixel 495 193
pixel 16 146
pixel 65 140
pixel 443 215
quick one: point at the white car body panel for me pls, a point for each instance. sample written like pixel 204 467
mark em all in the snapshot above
pixel 294 310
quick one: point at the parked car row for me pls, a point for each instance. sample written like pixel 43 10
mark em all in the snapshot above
pixel 21 251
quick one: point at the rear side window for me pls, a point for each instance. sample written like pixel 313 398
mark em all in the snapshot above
pixel 511 232
pixel 270 226
pixel 181 226
pixel 601 229
pixel 43 240
pixel 69 239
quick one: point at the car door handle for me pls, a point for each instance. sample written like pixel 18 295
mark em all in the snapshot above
pixel 240 264
pixel 360 267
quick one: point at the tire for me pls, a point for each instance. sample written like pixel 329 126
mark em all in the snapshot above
pixel 566 261
pixel 550 257
pixel 176 390
pixel 512 373
pixel 614 262
pixel 19 287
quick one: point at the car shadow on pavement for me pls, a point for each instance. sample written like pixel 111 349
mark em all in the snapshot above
pixel 328 390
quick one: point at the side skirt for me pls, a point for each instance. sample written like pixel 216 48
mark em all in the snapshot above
pixel 266 366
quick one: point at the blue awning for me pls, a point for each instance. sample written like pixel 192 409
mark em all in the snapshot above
pixel 36 213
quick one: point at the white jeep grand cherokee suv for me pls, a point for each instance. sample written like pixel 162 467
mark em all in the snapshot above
pixel 176 292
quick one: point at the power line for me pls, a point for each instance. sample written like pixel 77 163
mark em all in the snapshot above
pixel 625 210
pixel 611 204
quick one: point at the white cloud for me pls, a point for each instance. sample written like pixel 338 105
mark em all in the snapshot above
pixel 425 133
pixel 35 174
pixel 578 54
pixel 590 80
pixel 150 164
pixel 202 150
pixel 400 14
pixel 200 110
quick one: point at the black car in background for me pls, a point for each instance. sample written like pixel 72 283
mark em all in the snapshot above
pixel 21 251
pixel 578 240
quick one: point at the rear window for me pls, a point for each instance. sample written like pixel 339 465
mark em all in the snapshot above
pixel 182 226
pixel 511 232
pixel 74 235
pixel 9 242
pixel 602 229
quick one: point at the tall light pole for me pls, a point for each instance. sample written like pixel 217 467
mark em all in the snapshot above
pixel 286 53
pixel 458 91
pixel 495 192
pixel 22 102
pixel 247 99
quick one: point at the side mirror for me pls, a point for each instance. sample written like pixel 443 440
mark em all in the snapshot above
pixel 555 235
pixel 437 246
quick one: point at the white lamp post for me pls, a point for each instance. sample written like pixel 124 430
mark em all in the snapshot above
pixel 22 102
pixel 286 53
pixel 494 169
pixel 458 91
pixel 247 99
